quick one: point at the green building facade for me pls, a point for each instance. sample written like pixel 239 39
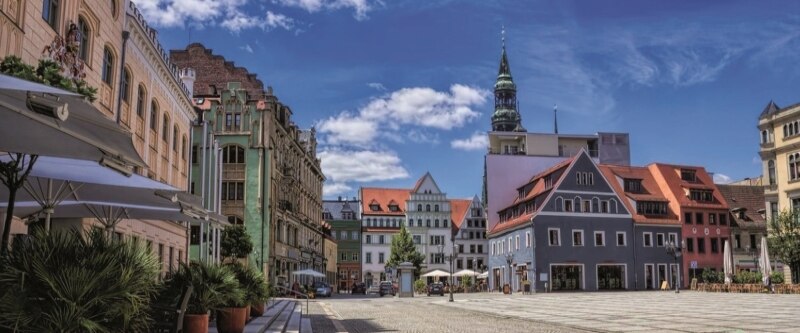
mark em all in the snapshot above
pixel 345 220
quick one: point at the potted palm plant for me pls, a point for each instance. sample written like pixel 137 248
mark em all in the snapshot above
pixel 69 281
pixel 214 286
pixel 256 291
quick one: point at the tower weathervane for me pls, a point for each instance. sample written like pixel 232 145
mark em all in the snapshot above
pixel 503 35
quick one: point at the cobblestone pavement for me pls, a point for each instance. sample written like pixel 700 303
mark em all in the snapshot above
pixel 645 311
pixel 419 314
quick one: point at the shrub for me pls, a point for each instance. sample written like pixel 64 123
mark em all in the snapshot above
pixel 466 281
pixel 252 283
pixel 776 277
pixel 420 286
pixel 47 72
pixel 235 242
pixel 68 281
pixel 747 277
pixel 710 276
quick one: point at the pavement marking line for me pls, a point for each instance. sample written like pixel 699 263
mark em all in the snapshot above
pixel 334 317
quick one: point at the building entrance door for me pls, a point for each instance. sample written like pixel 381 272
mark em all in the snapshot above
pixel 662 274
pixel 610 277
pixel 648 276
pixel 496 279
pixel 567 277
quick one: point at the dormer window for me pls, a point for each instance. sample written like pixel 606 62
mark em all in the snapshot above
pixel 651 208
pixel 701 195
pixel 374 207
pixel 688 175
pixel 394 208
pixel 633 185
pixel 521 193
pixel 548 182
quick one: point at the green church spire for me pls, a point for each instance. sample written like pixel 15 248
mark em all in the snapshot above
pixel 505 118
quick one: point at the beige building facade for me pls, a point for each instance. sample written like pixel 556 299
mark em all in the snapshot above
pixel 779 134
pixel 136 85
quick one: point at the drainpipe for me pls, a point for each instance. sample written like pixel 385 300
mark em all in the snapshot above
pixel 125 36
pixel 218 194
pixel 635 270
pixel 203 164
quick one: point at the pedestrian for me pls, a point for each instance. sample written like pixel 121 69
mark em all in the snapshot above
pixel 296 288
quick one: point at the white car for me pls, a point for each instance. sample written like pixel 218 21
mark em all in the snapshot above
pixel 323 289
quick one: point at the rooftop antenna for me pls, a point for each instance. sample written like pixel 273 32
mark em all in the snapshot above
pixel 503 35
pixel 555 118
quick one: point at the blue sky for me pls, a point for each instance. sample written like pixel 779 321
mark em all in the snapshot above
pixel 398 88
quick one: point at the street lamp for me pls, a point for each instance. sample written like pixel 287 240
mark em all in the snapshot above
pixel 674 249
pixel 509 259
pixel 475 268
pixel 450 258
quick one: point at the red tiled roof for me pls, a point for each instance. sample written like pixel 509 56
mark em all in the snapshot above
pixel 650 186
pixel 458 210
pixel 505 225
pixel 383 197
pixel 669 177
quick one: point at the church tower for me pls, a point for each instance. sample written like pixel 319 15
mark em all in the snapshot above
pixel 505 118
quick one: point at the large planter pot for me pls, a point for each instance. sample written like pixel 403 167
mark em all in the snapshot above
pixel 231 320
pixel 195 323
pixel 257 310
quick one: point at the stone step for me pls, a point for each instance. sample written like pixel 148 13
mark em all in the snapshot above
pixel 282 319
pixel 293 326
pixel 260 324
pixel 305 325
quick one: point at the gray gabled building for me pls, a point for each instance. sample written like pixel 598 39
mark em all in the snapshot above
pixel 567 229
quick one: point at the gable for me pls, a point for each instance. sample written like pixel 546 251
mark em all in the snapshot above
pixel 580 184
pixel 427 185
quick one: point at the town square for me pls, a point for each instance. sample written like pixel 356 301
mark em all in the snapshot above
pixel 232 166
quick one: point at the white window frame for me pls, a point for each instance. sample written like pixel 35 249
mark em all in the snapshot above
pixel 516 241
pixel 644 239
pixel 624 238
pixel 601 233
pixel 583 239
pixel 558 236
pixel 663 239
pixel 571 206
pixel 368 257
pixel 527 239
pixel 510 244
pixel 672 237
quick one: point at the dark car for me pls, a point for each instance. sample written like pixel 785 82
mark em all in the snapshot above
pixel 436 288
pixel 386 288
pixel 359 288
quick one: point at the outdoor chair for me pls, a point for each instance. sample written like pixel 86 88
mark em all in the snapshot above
pixel 168 318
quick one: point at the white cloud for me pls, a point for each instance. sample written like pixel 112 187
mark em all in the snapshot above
pixel 331 189
pixel 342 165
pixel 478 141
pixel 348 129
pixel 279 21
pixel 721 179
pixel 386 116
pixel 247 48
pixel 427 107
pixel 360 7
pixel 376 86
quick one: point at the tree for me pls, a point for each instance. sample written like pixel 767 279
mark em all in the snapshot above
pixel 403 249
pixel 784 240
pixel 235 242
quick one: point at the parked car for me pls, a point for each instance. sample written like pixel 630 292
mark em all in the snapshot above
pixel 386 288
pixel 359 288
pixel 436 288
pixel 323 289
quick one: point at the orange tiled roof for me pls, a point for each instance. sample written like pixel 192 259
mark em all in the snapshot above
pixel 670 174
pixel 652 191
pixel 458 210
pixel 383 197
pixel 511 223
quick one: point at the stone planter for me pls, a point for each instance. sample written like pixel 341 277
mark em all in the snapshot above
pixel 257 310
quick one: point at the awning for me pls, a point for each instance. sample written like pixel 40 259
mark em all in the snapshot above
pixel 42 120
pixel 436 273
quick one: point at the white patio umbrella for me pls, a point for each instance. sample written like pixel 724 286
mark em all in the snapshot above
pixel 484 275
pixel 763 262
pixel 309 272
pixel 727 262
pixel 465 272
pixel 53 180
pixel 436 273
pixel 41 120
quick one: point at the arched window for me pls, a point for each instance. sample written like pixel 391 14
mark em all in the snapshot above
pixel 165 128
pixel 235 220
pixel 559 204
pixel 435 208
pixel 113 7
pixel 612 206
pixel 427 208
pixel 419 207
pixel 233 154
pixel 436 223
pixel 175 138
pixel 184 143
pixel 140 98
pixel 85 34
pixel 126 86
pixel 154 115
pixel 108 66
pixel 771 171
pixel 794 166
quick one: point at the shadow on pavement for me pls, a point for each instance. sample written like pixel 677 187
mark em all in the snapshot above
pixel 321 323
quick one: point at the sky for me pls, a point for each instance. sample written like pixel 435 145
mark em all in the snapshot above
pixel 397 88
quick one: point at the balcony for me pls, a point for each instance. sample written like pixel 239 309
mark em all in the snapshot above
pixel 768 145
